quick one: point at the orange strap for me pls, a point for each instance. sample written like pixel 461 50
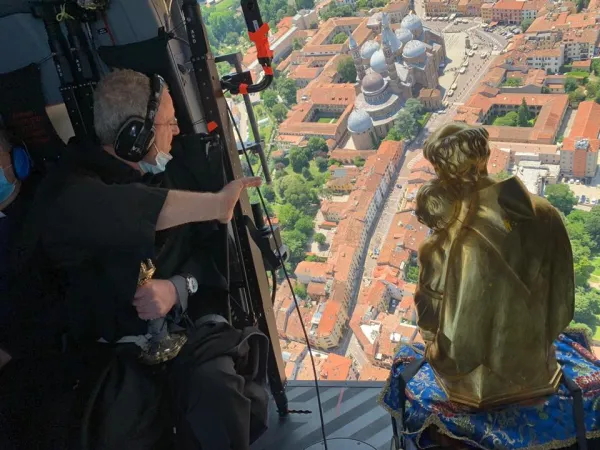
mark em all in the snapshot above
pixel 212 126
pixel 268 70
pixel 243 89
pixel 260 38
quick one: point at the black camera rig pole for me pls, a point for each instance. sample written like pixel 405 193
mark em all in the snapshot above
pixel 215 111
pixel 234 59
pixel 76 90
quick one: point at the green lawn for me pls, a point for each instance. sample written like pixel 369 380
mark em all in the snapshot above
pixel 596 264
pixel 597 334
pixel 578 74
pixel 327 120
pixel 224 6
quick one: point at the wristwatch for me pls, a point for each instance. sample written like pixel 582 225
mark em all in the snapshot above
pixel 191 284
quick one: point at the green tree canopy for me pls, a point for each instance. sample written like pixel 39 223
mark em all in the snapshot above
pixel 321 164
pixel 299 158
pixel 320 238
pixel 305 225
pixel 525 24
pixel 510 119
pixel 582 264
pixel 279 111
pixel 576 96
pixel 406 124
pixel 305 4
pixel 317 145
pixel 523 113
pixel 335 10
pixel 306 174
pixel 561 197
pixel 394 135
pixel 592 225
pixel 300 291
pixel 268 192
pixel 587 305
pixel 288 215
pixel 339 38
pixel 269 98
pixel 571 84
pixel 359 161
pixel 297 44
pixel 502 175
pixel 414 107
pixel 347 70
pixel 296 243
pixel 294 190
pixel 286 87
pixel 412 273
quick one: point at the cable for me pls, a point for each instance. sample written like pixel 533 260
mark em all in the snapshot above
pixel 289 281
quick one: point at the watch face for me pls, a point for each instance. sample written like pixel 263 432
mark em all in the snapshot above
pixel 192 285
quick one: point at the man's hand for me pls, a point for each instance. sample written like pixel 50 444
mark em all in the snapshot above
pixel 154 299
pixel 230 194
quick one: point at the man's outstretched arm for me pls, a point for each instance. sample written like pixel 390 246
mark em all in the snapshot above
pixel 182 207
pixel 91 214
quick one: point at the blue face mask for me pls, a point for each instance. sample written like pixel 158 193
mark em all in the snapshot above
pixel 6 188
pixel 162 159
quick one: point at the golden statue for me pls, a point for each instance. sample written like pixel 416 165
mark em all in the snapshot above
pixel 162 345
pixel 497 283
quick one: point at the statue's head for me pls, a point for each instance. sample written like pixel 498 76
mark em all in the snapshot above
pixel 458 152
pixel 437 204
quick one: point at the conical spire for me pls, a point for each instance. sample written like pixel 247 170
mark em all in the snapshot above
pixel 352 41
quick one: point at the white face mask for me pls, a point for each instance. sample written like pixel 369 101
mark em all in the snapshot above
pixel 160 165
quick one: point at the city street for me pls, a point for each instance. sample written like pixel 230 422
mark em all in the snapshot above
pixel 467 83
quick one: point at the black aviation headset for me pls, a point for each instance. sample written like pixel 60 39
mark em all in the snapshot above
pixel 136 135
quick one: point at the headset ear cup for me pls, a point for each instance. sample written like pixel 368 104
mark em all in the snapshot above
pixel 128 138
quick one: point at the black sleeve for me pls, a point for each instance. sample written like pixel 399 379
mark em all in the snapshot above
pixel 91 214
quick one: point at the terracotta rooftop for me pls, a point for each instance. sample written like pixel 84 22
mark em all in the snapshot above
pixel 553 107
pixel 292 351
pixel 343 260
pixel 586 125
pixel 294 328
pixel 586 36
pixel 562 20
pixel 375 293
pixel 306 371
pixel 304 72
pixel 498 161
pixel 582 64
pixel 509 5
pixel 313 269
pixel 345 154
pixel 329 318
pixel 336 368
pixel 316 289
pixel 373 373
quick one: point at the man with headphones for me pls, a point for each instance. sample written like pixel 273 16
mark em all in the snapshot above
pixel 15 167
pixel 98 216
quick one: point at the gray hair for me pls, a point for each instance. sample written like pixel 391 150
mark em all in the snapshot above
pixel 119 95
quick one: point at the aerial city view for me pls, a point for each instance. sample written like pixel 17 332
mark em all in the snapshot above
pixel 359 87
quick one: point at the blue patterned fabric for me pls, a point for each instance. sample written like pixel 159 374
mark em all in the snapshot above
pixel 542 423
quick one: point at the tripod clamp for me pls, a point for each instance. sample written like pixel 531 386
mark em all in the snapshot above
pixel 258 32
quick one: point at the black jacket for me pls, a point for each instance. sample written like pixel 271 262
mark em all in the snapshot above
pixel 96 217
